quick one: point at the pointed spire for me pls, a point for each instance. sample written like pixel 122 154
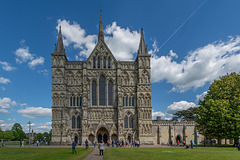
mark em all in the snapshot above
pixel 100 32
pixel 59 48
pixel 142 47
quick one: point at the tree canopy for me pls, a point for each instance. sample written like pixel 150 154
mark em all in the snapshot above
pixel 1 133
pixel 188 114
pixel 219 113
pixel 18 133
pixel 8 134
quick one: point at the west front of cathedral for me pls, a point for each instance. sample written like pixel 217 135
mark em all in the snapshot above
pixel 102 98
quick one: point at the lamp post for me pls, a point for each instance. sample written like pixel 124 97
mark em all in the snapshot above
pixel 29 123
pixel 195 134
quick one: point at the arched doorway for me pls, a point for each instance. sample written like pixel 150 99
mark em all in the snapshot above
pixel 129 139
pixel 102 134
pixel 76 139
pixel 178 138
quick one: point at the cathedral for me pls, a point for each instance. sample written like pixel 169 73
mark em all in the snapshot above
pixel 102 98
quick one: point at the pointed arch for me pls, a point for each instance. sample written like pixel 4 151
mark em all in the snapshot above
pixel 78 122
pixel 126 121
pixel 73 122
pixel 102 91
pixel 110 93
pixel 94 93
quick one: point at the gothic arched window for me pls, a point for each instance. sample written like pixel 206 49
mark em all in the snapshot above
pixel 80 103
pixel 73 122
pixel 94 62
pixel 102 86
pixel 132 100
pixel 109 62
pixel 73 100
pixel 110 93
pixel 126 121
pixel 77 101
pixel 129 102
pixel 131 122
pixel 123 101
pixel 98 62
pixel 104 62
pixel 78 122
pixel 94 93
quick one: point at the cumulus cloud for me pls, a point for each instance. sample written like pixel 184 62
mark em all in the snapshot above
pixel 199 67
pixel 35 62
pixel 33 112
pixel 6 66
pixel 200 97
pixel 23 55
pixel 1 121
pixel 155 114
pixel 122 41
pixel 179 106
pixel 6 103
pixel 4 80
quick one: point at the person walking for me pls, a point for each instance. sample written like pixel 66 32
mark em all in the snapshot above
pixel 37 142
pixel 86 143
pixel 20 143
pixel 101 148
pixel 191 144
pixel 178 143
pixel 184 142
pixel 171 142
pixel 74 147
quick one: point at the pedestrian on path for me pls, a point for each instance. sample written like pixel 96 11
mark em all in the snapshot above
pixel 86 143
pixel 178 143
pixel 74 147
pixel 191 144
pixel 101 148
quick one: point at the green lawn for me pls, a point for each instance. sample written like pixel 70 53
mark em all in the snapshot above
pixel 218 153
pixel 42 153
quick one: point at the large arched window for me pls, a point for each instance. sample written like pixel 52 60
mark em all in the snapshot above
pixel 126 121
pixel 94 93
pixel 123 101
pixel 73 100
pixel 94 62
pixel 104 62
pixel 109 62
pixel 98 62
pixel 129 102
pixel 102 86
pixel 78 122
pixel 132 100
pixel 110 93
pixel 131 122
pixel 73 122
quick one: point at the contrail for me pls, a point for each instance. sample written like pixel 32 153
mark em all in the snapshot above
pixel 181 25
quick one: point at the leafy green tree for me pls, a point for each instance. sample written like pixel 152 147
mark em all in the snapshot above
pixel 188 114
pixel 18 133
pixel 1 133
pixel 50 135
pixel 8 134
pixel 46 135
pixel 39 136
pixel 219 113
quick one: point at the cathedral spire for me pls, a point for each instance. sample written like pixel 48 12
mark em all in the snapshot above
pixel 59 48
pixel 142 47
pixel 100 32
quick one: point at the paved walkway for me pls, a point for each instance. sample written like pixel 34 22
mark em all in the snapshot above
pixel 94 155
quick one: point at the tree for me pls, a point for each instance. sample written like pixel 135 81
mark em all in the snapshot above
pixel 8 134
pixel 188 114
pixel 39 136
pixel 219 113
pixel 50 135
pixel 1 133
pixel 18 132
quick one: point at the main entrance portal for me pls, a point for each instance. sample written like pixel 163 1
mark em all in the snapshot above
pixel 102 134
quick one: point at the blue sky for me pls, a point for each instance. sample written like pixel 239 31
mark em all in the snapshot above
pixel 204 46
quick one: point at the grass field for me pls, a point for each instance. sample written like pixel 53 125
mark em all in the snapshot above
pixel 213 153
pixel 42 153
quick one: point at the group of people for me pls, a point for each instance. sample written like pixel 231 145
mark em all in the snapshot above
pixel 183 142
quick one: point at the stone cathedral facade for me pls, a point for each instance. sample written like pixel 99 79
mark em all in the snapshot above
pixel 102 98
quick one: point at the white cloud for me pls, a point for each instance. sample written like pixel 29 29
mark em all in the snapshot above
pixel 200 97
pixel 1 121
pixel 200 66
pixel 33 112
pixel 179 106
pixel 155 114
pixel 74 35
pixel 44 72
pixel 23 55
pixel 122 42
pixel 4 80
pixel 6 103
pixel 6 66
pixel 35 62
